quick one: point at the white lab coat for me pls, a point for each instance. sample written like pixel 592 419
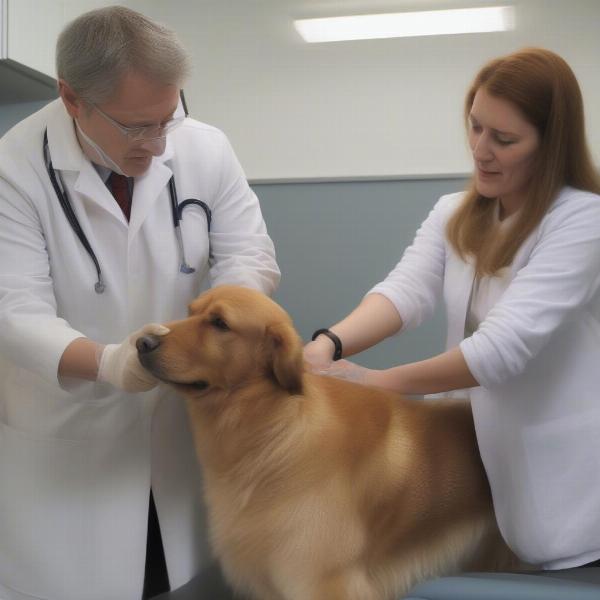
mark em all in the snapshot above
pixel 536 356
pixel 76 462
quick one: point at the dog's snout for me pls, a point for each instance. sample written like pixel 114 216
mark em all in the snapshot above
pixel 147 343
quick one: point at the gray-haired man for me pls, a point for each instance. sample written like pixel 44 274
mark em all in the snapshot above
pixel 89 253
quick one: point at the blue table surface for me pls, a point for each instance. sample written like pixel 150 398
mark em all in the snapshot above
pixel 575 583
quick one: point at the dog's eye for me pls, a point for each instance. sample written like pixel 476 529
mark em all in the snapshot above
pixel 219 323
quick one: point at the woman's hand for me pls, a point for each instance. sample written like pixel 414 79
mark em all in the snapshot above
pixel 318 355
pixel 344 369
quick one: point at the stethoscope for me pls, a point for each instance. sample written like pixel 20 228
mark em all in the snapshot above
pixel 176 211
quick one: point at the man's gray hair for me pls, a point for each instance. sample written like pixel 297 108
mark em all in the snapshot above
pixel 95 50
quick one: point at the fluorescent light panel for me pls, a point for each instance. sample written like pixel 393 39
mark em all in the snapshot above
pixel 410 24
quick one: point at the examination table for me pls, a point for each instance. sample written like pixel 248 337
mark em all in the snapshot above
pixel 572 584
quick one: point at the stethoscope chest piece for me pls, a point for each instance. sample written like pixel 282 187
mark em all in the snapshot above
pixel 185 268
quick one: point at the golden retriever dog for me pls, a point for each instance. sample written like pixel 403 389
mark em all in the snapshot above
pixel 318 488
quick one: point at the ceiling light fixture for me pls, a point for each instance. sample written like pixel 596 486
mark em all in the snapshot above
pixel 409 24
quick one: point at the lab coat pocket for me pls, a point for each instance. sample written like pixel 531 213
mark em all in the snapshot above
pixel 39 408
pixel 58 521
pixel 42 525
pixel 563 457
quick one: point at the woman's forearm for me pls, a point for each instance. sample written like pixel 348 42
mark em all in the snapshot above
pixel 442 373
pixel 373 320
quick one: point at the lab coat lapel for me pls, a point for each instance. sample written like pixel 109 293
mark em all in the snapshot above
pixel 147 190
pixel 65 150
pixel 77 171
pixel 460 277
pixel 93 189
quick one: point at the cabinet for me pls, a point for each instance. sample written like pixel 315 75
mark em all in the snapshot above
pixel 28 32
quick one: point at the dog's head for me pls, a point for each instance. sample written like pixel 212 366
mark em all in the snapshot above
pixel 233 336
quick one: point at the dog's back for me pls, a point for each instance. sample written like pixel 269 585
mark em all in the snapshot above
pixel 352 493
pixel 418 483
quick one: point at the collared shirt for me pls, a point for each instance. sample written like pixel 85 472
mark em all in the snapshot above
pixel 105 172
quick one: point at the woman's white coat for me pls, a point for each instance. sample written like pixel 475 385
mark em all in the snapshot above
pixel 536 355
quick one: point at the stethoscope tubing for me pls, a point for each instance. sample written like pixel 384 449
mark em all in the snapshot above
pixel 176 211
pixel 63 200
pixel 184 267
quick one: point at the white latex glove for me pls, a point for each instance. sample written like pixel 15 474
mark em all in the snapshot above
pixel 344 369
pixel 119 364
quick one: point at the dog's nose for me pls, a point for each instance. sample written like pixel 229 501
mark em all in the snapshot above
pixel 147 343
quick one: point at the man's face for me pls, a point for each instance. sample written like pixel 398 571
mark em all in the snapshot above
pixel 137 101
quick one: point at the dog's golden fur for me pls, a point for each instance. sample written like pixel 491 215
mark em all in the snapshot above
pixel 318 488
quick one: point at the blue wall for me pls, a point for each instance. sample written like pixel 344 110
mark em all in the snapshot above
pixel 336 240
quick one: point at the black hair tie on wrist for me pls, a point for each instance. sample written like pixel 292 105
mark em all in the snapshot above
pixel 337 353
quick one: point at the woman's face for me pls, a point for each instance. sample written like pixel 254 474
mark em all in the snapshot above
pixel 504 146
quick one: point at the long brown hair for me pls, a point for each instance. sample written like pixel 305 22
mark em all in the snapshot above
pixel 543 87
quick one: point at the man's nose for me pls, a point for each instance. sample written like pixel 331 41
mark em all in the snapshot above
pixel 147 343
pixel 155 147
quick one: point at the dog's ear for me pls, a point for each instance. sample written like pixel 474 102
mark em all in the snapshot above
pixel 196 306
pixel 287 363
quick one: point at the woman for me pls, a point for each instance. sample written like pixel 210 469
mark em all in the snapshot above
pixel 517 259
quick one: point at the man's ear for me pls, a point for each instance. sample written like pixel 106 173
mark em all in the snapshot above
pixel 287 362
pixel 70 99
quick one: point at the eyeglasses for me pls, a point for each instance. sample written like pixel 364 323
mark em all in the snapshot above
pixel 144 132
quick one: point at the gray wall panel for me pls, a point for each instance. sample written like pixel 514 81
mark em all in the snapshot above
pixel 11 114
pixel 336 240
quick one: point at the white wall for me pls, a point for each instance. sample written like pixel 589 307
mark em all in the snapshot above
pixel 381 108
pixel 371 108
pixel 33 26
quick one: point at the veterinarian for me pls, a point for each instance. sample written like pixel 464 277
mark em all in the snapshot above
pixel 516 259
pixel 85 433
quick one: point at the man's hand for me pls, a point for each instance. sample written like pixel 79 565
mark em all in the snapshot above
pixel 118 364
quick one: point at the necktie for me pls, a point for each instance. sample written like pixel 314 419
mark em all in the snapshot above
pixel 119 186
